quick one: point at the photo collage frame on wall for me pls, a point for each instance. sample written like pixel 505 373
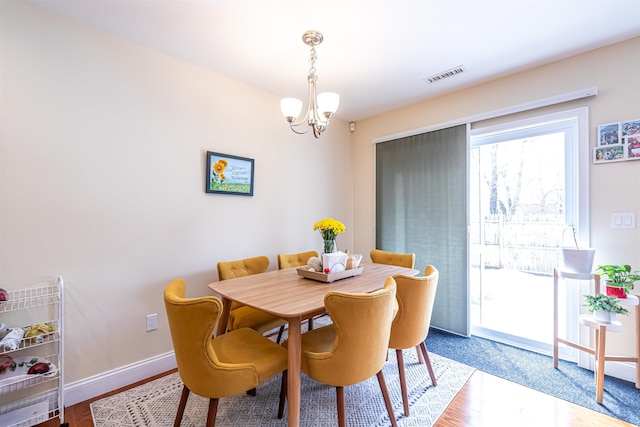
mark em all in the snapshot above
pixel 618 142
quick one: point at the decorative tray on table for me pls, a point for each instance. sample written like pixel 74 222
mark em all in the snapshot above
pixel 328 277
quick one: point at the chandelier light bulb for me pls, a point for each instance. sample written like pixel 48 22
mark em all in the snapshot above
pixel 328 102
pixel 291 108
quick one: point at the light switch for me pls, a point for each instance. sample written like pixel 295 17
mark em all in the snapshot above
pixel 617 220
pixel 623 220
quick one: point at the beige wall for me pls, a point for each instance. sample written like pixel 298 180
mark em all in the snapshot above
pixel 102 162
pixel 615 70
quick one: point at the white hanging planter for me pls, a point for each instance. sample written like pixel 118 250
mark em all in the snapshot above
pixel 578 261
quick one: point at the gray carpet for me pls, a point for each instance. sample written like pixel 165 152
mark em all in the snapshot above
pixel 569 382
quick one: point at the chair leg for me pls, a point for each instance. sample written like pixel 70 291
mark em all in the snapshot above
pixel 342 419
pixel 283 394
pixel 310 324
pixel 181 406
pixel 423 347
pixel 387 399
pixel 213 410
pixel 280 332
pixel 403 381
pixel 420 356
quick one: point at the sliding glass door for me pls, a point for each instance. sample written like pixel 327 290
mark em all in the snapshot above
pixel 500 205
pixel 523 196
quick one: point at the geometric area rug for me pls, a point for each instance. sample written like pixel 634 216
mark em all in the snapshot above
pixel 155 403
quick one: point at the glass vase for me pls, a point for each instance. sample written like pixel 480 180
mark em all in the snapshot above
pixel 330 246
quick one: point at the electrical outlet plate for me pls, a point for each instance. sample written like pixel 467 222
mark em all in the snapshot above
pixel 152 322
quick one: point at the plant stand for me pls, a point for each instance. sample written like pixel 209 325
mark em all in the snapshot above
pixel 600 330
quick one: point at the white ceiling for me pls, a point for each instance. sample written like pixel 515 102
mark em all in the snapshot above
pixel 375 53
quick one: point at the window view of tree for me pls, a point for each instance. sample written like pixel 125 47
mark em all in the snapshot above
pixel 517 221
pixel 517 170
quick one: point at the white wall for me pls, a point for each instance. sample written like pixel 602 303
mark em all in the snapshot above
pixel 102 158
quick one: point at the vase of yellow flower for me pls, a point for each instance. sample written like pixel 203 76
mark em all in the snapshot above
pixel 329 229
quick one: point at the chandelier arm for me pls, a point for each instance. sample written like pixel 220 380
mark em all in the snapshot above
pixel 291 125
pixel 304 120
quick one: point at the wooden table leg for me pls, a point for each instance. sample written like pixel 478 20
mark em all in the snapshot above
pixel 293 380
pixel 224 317
pixel 602 337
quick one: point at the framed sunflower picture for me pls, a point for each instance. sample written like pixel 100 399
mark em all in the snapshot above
pixel 229 174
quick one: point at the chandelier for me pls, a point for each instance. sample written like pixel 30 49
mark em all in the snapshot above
pixel 322 107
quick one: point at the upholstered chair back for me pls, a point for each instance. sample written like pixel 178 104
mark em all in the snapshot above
pixel 391 258
pixel 415 296
pixel 362 325
pixel 240 268
pixel 295 260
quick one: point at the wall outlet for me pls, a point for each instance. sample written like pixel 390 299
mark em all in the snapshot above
pixel 152 322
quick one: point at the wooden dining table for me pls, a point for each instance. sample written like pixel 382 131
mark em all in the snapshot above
pixel 285 294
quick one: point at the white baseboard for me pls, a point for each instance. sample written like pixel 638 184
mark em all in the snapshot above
pixel 88 388
pixel 621 370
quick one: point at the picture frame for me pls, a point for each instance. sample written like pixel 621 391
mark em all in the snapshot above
pixel 632 147
pixel 609 153
pixel 228 174
pixel 609 134
pixel 631 128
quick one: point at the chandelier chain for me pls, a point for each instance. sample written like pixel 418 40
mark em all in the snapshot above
pixel 313 57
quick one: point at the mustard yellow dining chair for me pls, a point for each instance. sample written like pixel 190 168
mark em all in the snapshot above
pixel 295 260
pixel 242 316
pixel 410 327
pixel 354 347
pixel 391 258
pixel 223 366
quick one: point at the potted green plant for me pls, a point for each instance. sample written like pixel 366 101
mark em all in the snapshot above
pixel 576 260
pixel 619 279
pixel 604 307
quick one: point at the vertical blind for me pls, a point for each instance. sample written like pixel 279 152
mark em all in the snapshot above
pixel 421 207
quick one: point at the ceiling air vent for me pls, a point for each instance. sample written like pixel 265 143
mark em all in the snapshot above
pixel 445 74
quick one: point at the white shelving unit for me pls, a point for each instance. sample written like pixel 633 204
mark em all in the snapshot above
pixel 29 399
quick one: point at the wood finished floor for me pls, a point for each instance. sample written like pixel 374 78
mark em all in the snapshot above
pixel 484 401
